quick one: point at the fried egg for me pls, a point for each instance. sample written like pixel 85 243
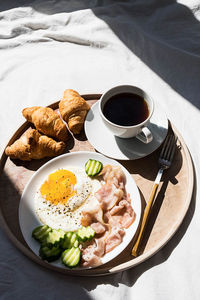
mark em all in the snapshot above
pixel 62 196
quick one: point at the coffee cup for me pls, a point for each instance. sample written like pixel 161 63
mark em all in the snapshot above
pixel 126 111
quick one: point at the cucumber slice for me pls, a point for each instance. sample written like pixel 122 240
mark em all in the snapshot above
pixel 55 238
pixel 40 233
pixel 70 240
pixel 71 257
pixel 49 254
pixel 93 167
pixel 85 233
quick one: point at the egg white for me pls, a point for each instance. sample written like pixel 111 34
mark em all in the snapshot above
pixel 67 216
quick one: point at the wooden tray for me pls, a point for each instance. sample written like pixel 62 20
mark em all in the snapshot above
pixel 171 204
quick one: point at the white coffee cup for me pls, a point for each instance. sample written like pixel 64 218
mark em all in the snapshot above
pixel 140 131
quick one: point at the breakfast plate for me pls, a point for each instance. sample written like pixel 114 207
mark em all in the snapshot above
pixel 28 218
pixel 106 143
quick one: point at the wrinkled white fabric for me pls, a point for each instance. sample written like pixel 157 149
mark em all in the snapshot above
pixel 90 46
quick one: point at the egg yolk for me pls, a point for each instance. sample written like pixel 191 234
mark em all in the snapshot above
pixel 59 187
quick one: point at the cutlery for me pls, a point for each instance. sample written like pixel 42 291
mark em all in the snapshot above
pixel 165 161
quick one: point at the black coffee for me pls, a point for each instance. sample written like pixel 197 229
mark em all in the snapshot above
pixel 126 109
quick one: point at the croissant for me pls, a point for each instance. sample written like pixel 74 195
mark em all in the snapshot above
pixel 73 109
pixel 47 121
pixel 33 145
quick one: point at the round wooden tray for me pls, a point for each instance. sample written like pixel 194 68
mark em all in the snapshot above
pixel 171 204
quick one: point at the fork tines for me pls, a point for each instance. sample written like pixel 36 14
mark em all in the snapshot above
pixel 169 147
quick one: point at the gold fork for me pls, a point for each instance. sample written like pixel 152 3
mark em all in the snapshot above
pixel 165 160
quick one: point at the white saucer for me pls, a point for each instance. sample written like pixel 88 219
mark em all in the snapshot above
pixel 105 142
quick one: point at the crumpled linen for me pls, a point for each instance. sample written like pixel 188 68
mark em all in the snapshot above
pixel 90 46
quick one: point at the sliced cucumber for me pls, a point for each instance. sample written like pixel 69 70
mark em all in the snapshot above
pixel 55 238
pixel 85 233
pixel 49 254
pixel 93 167
pixel 40 233
pixel 71 257
pixel 70 240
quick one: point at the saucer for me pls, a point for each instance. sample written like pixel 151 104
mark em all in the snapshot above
pixel 101 138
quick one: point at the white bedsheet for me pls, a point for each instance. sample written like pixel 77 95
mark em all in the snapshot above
pixel 90 46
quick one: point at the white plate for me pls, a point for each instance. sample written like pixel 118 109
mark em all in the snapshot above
pixel 105 142
pixel 28 219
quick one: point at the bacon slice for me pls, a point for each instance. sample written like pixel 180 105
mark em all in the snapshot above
pixel 109 195
pixel 114 175
pixel 129 215
pixel 89 259
pixel 98 227
pixel 114 238
pixel 91 255
pixel 92 213
pixel 117 208
pixel 122 215
pixel 86 218
pixel 99 250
